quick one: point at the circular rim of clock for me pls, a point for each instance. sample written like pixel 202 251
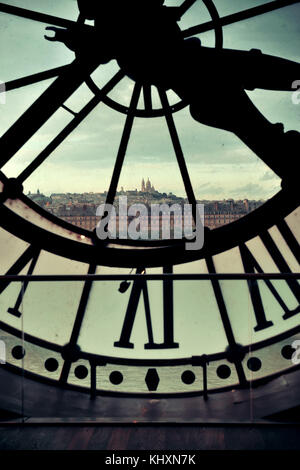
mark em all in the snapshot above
pixel 150 364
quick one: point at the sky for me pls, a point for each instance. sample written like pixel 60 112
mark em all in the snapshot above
pixel 220 165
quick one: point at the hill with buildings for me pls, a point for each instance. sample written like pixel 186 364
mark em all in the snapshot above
pixel 80 208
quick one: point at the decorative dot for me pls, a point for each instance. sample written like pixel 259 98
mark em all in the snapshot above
pixel 70 352
pixel 188 377
pixel 81 372
pixel 287 351
pixel 116 378
pixel 18 352
pixel 51 365
pixel 254 364
pixel 223 371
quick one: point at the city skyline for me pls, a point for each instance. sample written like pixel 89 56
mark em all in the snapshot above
pixel 121 190
pixel 81 209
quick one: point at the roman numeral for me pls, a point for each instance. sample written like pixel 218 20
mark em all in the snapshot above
pixel 31 254
pixel 251 265
pixel 140 287
pixel 15 310
pixel 168 296
pixel 283 268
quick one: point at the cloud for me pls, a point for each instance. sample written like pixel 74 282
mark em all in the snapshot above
pixel 209 189
pixel 252 190
pixel 268 176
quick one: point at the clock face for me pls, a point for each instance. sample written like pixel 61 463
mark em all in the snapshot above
pixel 156 318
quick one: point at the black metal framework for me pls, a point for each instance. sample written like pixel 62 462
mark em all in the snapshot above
pixel 149 111
pixel 144 253
pixel 71 353
pixel 132 253
pixel 66 84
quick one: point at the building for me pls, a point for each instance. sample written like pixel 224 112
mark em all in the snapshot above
pixel 80 209
pixel 147 187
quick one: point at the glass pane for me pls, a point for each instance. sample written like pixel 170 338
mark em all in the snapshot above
pixel 19 100
pixel 13 408
pixel 197 329
pixel 30 151
pixel 64 9
pixel 20 37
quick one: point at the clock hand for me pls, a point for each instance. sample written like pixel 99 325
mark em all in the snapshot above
pixel 215 90
pixel 81 42
pixel 236 113
pixel 268 141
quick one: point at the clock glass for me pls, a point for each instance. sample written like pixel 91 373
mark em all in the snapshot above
pixel 136 105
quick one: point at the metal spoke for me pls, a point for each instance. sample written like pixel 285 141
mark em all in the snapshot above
pixel 31 79
pixel 147 97
pixel 36 16
pixel 70 127
pixel 240 16
pixel 69 110
pixel 123 144
pixel 17 267
pixel 185 6
pixel 44 107
pixel 225 319
pixel 178 151
pixel 16 309
pixel 78 321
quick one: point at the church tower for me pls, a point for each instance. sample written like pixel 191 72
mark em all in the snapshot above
pixel 148 186
pixel 143 186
